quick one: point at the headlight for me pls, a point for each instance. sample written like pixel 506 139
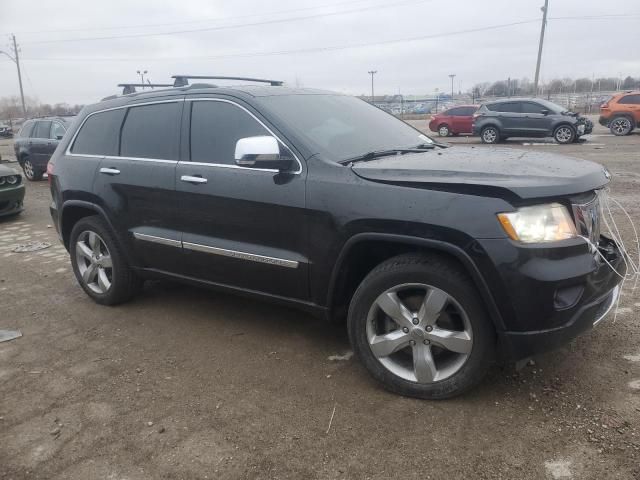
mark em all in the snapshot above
pixel 2 180
pixel 538 224
pixel 12 179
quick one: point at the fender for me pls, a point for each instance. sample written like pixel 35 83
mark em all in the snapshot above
pixel 445 247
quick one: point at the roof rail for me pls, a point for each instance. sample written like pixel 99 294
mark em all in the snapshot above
pixel 128 88
pixel 183 80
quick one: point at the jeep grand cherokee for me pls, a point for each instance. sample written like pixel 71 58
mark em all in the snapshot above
pixel 441 260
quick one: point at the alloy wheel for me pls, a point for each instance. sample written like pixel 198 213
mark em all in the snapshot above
pixel 564 135
pixel 419 333
pixel 443 131
pixel 28 169
pixel 490 135
pixel 621 126
pixel 94 262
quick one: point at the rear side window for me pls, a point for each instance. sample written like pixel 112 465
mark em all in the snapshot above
pixel 215 129
pixel 26 129
pixel 454 112
pixel 151 131
pixel 467 111
pixel 99 134
pixel 630 100
pixel 507 107
pixel 42 129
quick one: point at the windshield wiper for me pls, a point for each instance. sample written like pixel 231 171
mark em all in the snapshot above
pixel 365 157
pixel 430 146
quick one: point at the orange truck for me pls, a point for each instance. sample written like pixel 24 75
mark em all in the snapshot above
pixel 621 113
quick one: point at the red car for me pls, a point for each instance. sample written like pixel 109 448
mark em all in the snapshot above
pixel 453 121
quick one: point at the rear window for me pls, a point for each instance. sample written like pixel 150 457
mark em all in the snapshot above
pixel 26 129
pixel 630 100
pixel 42 129
pixel 99 134
pixel 151 131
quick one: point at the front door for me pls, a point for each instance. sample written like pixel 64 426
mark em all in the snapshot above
pixel 242 227
pixel 535 122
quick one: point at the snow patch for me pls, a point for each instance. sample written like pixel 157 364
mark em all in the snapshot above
pixel 559 469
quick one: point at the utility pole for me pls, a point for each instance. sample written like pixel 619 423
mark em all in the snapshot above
pixel 16 59
pixel 372 73
pixel 545 10
pixel 452 76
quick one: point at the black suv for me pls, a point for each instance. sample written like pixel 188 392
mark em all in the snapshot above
pixel 528 117
pixel 36 142
pixel 440 261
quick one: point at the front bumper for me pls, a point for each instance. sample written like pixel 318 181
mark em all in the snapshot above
pixel 11 200
pixel 548 296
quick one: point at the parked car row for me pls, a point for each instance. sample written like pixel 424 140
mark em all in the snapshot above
pixel 533 117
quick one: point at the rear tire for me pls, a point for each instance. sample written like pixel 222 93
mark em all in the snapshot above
pixel 444 130
pixel 490 135
pixel 99 263
pixel 32 173
pixel 453 310
pixel 620 126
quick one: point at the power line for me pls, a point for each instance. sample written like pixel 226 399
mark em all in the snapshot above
pixel 303 50
pixel 190 22
pixel 228 27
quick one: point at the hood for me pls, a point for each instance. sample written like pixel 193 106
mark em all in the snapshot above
pixel 4 170
pixel 500 172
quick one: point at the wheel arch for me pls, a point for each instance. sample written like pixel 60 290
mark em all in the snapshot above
pixel 73 211
pixel 364 251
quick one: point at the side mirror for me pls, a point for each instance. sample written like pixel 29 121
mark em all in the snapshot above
pixel 261 152
pixel 544 111
pixel 59 137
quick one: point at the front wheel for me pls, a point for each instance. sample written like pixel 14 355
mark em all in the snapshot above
pixel 490 135
pixel 564 134
pixel 32 173
pixel 620 126
pixel 419 327
pixel 99 263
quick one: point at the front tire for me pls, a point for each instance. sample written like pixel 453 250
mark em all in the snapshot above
pixel 99 263
pixel 490 135
pixel 31 172
pixel 419 327
pixel 620 126
pixel 564 134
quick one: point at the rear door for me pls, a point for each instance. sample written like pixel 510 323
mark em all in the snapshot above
pixel 463 119
pixel 39 143
pixel 242 227
pixel 510 117
pixel 631 104
pixel 136 185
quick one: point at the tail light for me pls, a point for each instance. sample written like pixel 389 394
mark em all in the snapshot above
pixel 475 115
pixel 605 105
pixel 49 172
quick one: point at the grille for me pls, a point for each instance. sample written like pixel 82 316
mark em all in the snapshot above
pixel 587 216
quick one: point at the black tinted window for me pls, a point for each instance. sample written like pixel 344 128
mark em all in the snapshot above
pixel 468 111
pixel 530 107
pixel 509 107
pixel 26 129
pixel 99 134
pixel 215 129
pixel 630 99
pixel 454 111
pixel 42 129
pixel 151 131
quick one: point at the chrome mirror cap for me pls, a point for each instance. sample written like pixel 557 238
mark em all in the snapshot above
pixel 253 150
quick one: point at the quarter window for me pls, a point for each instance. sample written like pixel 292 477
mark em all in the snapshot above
pixel 57 130
pixel 26 129
pixel 215 129
pixel 99 134
pixel 630 100
pixel 151 131
pixel 42 129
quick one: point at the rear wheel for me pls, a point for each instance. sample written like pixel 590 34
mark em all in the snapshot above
pixel 443 130
pixel 99 263
pixel 418 325
pixel 564 134
pixel 620 126
pixel 490 135
pixel 32 173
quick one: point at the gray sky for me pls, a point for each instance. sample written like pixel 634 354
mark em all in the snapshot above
pixel 240 37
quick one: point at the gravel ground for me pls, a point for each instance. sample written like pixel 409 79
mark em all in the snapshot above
pixel 184 383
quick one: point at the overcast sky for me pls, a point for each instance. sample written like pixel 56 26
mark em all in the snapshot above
pixel 328 44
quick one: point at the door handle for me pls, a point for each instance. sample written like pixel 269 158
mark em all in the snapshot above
pixel 110 171
pixel 193 179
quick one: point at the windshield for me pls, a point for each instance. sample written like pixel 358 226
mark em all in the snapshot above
pixel 552 107
pixel 341 127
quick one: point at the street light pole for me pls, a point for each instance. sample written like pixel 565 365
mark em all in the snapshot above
pixel 141 73
pixel 452 76
pixel 545 10
pixel 372 73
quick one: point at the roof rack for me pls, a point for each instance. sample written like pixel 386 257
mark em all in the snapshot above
pixel 128 88
pixel 183 80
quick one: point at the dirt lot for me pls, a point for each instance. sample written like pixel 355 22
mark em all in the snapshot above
pixel 184 383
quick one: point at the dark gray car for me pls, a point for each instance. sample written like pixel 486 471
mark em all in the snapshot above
pixel 528 117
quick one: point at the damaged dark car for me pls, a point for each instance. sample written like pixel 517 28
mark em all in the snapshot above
pixel 441 260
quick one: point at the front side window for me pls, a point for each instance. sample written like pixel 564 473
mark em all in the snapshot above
pixel 630 100
pixel 151 131
pixel 340 127
pixel 42 129
pixel 530 107
pixel 99 134
pixel 57 130
pixel 215 129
